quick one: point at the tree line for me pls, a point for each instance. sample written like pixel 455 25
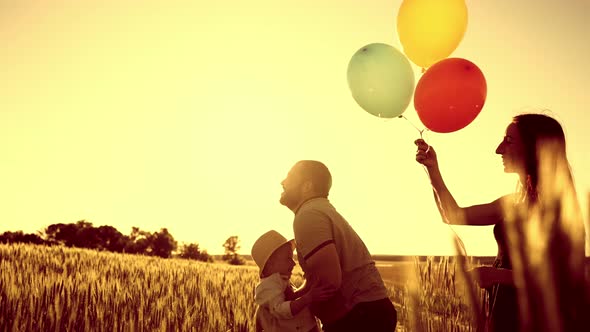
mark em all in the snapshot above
pixel 82 234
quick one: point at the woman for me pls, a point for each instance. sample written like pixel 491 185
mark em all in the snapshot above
pixel 537 281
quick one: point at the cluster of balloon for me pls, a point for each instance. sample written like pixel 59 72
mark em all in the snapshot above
pixel 451 91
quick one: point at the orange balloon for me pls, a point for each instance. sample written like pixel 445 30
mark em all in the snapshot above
pixel 450 95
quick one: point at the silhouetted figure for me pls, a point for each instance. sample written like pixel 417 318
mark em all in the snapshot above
pixel 329 250
pixel 537 280
pixel 277 310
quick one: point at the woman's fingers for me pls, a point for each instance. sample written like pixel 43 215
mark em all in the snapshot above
pixel 422 154
pixel 425 154
pixel 421 144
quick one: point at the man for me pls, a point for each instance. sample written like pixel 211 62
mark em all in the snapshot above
pixel 330 251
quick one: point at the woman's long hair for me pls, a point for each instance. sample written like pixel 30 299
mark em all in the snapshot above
pixel 546 233
pixel 541 134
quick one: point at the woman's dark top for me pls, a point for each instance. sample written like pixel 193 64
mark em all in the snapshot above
pixel 568 285
pixel 502 307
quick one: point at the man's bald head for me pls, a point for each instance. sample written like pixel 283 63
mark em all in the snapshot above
pixel 318 174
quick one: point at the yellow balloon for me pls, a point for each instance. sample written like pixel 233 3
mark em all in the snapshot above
pixel 430 30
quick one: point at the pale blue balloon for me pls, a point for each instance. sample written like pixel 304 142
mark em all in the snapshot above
pixel 381 80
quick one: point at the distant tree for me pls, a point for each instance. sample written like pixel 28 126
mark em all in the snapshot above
pixel 192 251
pixel 111 239
pixel 87 236
pixel 65 234
pixel 232 246
pixel 32 238
pixel 83 235
pixel 136 233
pixel 205 257
pixel 237 260
pixel 162 243
pixel 20 237
pixel 138 242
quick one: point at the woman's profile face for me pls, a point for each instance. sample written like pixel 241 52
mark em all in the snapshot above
pixel 512 150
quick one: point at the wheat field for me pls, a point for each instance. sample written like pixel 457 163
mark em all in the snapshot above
pixel 65 289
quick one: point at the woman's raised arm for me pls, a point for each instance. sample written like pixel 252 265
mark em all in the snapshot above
pixel 450 211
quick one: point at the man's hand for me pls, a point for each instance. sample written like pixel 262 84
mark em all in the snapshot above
pixel 315 292
pixel 320 292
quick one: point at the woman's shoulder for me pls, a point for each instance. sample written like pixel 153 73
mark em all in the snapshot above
pixel 511 199
pixel 507 203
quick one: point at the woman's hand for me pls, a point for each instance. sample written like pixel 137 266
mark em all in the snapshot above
pixel 487 276
pixel 425 154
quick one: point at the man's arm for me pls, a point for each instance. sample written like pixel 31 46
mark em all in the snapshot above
pixel 300 303
pixel 318 254
pixel 324 264
pixel 302 290
pixel 315 292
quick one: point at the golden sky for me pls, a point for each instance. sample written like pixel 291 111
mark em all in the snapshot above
pixel 188 114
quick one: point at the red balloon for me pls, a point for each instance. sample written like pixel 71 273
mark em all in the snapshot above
pixel 450 95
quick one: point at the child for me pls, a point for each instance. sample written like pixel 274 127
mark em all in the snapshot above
pixel 273 254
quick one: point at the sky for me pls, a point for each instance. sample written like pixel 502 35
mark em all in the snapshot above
pixel 188 114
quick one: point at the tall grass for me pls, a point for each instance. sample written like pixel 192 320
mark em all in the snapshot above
pixel 63 289
pixel 436 298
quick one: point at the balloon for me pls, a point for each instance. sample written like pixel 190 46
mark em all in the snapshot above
pixel 430 30
pixel 381 80
pixel 450 95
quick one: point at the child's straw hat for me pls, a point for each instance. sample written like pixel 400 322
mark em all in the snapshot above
pixel 266 244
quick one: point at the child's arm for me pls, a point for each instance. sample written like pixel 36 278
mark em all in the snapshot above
pixel 271 296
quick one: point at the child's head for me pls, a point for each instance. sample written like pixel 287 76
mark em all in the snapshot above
pixel 273 253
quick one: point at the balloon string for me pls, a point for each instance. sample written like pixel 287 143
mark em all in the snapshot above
pixel 460 243
pixel 418 129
